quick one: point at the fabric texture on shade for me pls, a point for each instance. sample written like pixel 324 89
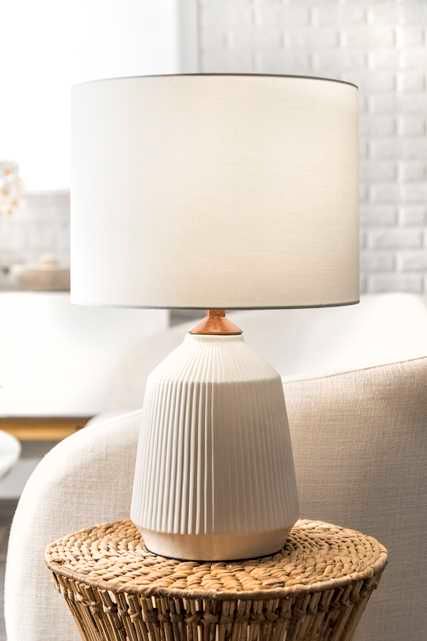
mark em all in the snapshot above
pixel 202 191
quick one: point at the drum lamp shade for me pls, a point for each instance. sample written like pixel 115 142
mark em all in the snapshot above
pixel 215 191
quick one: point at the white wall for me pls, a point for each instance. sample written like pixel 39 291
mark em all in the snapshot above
pixel 380 45
pixel 47 45
pixel 40 226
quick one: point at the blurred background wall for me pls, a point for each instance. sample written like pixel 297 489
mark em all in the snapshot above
pixel 47 46
pixel 41 226
pixel 380 45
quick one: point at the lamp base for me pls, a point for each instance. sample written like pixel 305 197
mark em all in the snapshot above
pixel 214 547
pixel 214 477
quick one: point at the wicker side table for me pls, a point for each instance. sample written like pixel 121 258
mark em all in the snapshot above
pixel 315 589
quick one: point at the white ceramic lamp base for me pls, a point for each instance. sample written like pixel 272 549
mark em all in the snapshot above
pixel 214 476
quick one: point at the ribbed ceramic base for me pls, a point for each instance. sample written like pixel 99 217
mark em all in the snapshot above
pixel 215 547
pixel 214 474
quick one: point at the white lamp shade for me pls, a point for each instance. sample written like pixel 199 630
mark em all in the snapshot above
pixel 215 191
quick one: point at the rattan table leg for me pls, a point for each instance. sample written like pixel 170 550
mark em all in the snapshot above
pixel 328 615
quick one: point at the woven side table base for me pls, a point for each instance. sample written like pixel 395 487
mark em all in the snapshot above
pixel 314 589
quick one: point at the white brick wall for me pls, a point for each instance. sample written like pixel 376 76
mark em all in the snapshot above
pixel 380 45
pixel 40 226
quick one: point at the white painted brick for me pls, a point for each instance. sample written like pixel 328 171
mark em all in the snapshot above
pixel 354 76
pixel 216 12
pixel 305 3
pixel 384 193
pixel 382 283
pixel 412 13
pixel 414 261
pixel 377 125
pixel 414 192
pixel 38 201
pixel 414 102
pixel 227 61
pixel 398 103
pixel 384 13
pixel 280 16
pixel 312 38
pixel 211 29
pixel 410 81
pixel 363 192
pixel 338 62
pixel 363 103
pixel 12 235
pixel 363 37
pixel 379 81
pixel 383 103
pixel 335 14
pixel 395 239
pixel 245 41
pixel 413 171
pixel 363 147
pixel 221 4
pixel 383 59
pixel 24 212
pixel 239 14
pixel 266 16
pixel 261 38
pixel 412 58
pixel 283 61
pixel 373 171
pixel 414 148
pixel 413 215
pixel 214 43
pixel 387 148
pixel 61 200
pixel 411 125
pixel 374 261
pixel 378 215
pixel 295 15
pixel 311 3
pixel 43 237
pixel 409 36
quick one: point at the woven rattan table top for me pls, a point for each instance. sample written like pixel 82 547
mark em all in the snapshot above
pixel 316 556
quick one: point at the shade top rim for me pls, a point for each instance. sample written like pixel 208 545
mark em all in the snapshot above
pixel 218 74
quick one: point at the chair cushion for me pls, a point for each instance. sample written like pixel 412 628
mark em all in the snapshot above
pixel 360 447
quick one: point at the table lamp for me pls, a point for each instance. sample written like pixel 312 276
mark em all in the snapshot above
pixel 215 192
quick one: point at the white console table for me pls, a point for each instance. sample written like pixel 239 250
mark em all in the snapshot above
pixel 60 365
pixel 60 360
